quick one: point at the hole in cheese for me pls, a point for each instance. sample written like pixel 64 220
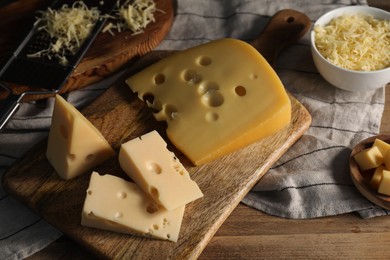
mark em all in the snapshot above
pixel 154 192
pixel 171 112
pixel 253 76
pixel 89 157
pixel 192 76
pixel 154 167
pixel 118 215
pixel 204 61
pixel 212 117
pixel 159 79
pixel 121 195
pixel 240 91
pixel 63 132
pixel 156 227
pixel 71 157
pixel 89 192
pixel 152 208
pixel 212 98
pixel 207 86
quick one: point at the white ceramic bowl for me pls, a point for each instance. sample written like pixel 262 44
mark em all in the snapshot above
pixel 343 78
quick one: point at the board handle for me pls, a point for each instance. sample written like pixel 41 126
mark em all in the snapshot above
pixel 284 28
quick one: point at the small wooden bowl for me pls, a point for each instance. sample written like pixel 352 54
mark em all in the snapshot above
pixel 362 179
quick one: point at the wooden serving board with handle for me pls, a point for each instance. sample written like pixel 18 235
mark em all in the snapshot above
pixel 121 116
pixel 106 55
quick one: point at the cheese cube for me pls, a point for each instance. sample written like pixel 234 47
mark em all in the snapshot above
pixel 75 145
pixel 157 171
pixel 117 205
pixel 384 186
pixel 382 146
pixel 369 158
pixel 216 98
pixel 376 177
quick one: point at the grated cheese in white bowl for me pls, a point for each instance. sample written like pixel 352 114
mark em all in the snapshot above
pixel 355 41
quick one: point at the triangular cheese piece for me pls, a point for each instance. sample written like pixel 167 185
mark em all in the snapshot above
pixel 216 98
pixel 75 145
pixel 117 205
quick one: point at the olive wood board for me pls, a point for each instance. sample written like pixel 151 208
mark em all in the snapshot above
pixel 121 116
pixel 107 54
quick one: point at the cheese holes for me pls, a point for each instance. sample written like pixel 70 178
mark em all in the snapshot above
pixel 171 112
pixel 212 117
pixel 154 192
pixel 212 98
pixel 71 157
pixel 121 195
pixel 253 76
pixel 240 91
pixel 118 215
pixel 152 208
pixel 156 227
pixel 159 79
pixel 89 192
pixel 203 61
pixel 154 167
pixel 90 158
pixel 207 86
pixel 192 76
pixel 64 132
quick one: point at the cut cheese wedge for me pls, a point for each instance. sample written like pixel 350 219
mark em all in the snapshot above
pixel 75 145
pixel 216 98
pixel 115 204
pixel 157 171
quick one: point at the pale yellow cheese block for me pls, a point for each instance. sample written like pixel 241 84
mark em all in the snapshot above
pixel 158 171
pixel 382 146
pixel 376 177
pixel 369 158
pixel 384 185
pixel 216 98
pixel 115 204
pixel 75 145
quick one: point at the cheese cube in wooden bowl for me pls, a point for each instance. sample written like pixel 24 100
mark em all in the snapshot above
pixel 372 183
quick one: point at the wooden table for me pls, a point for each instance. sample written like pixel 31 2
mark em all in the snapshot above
pixel 251 234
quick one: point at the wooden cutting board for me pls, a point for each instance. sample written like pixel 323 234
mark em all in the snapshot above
pixel 120 116
pixel 107 54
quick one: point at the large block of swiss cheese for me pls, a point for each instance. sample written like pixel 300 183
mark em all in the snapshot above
pixel 216 98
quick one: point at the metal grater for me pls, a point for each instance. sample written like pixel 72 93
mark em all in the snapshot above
pixel 43 73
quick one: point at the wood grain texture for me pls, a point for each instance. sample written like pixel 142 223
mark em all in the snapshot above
pixel 107 54
pixel 121 116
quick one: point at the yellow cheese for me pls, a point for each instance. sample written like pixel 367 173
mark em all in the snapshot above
pixel 384 186
pixel 157 171
pixel 216 98
pixel 369 158
pixel 382 146
pixel 75 145
pixel 376 177
pixel 117 205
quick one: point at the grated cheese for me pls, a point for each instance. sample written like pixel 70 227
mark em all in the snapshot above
pixel 356 42
pixel 68 27
pixel 132 15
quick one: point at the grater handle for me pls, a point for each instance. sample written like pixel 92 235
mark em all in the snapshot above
pixel 8 106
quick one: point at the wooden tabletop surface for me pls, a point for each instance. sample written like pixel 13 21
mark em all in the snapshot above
pixel 249 234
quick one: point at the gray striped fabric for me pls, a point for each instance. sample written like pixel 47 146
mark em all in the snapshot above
pixel 310 180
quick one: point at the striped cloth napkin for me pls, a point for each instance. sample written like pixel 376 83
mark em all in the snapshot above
pixel 310 180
